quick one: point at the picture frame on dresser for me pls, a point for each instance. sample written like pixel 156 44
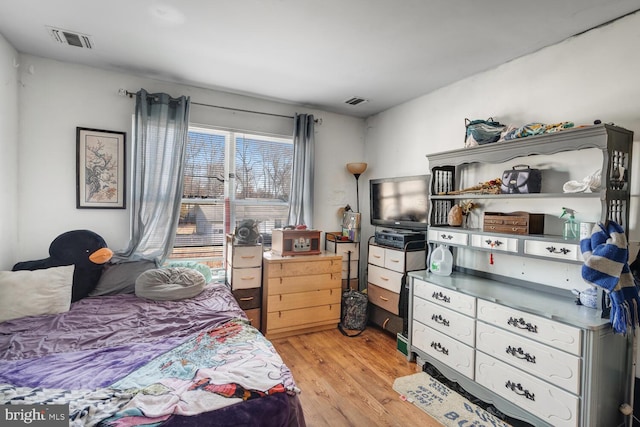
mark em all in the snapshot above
pixel 100 169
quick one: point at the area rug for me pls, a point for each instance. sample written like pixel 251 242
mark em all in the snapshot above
pixel 442 403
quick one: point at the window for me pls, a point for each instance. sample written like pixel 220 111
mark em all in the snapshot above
pixel 228 177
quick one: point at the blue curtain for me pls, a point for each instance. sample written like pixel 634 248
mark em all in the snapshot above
pixel 301 198
pixel 161 129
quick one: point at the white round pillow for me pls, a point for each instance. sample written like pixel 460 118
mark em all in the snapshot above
pixel 168 284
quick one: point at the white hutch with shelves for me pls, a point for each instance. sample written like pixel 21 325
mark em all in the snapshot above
pixel 522 345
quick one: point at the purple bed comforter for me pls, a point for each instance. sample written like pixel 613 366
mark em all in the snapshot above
pixel 103 340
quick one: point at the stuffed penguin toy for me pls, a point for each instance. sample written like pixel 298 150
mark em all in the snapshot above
pixel 84 249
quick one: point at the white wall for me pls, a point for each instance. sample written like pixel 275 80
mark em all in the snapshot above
pixel 8 153
pixel 592 76
pixel 588 77
pixel 56 97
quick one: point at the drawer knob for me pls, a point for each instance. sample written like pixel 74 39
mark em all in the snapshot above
pixel 562 251
pixel 520 354
pixel 440 297
pixel 446 236
pixel 518 389
pixel 438 347
pixel 522 324
pixel 493 243
pixel 439 319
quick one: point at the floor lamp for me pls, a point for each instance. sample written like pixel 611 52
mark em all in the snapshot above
pixel 357 169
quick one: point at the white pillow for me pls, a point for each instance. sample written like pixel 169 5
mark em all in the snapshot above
pixel 32 293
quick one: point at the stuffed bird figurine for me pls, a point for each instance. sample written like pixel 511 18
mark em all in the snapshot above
pixel 84 249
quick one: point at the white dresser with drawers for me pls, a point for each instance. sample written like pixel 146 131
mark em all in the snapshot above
pixel 534 355
pixel 244 277
pixel 386 268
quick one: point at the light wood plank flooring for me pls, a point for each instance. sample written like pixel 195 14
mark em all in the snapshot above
pixel 348 381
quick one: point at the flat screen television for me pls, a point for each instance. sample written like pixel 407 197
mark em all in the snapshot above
pixel 401 202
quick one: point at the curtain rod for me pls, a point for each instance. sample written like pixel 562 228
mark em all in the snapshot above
pixel 130 94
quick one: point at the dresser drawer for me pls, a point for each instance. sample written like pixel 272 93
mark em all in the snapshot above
pixel 504 244
pixel 391 280
pixel 286 320
pixel 254 317
pixel 385 319
pixel 383 298
pixel 443 348
pixel 555 250
pixel 350 269
pixel 547 331
pixel 448 298
pixel 245 278
pixel 296 300
pixel 288 285
pixel 444 320
pixel 446 236
pixel 376 255
pixel 247 298
pixel 246 256
pixel 396 259
pixel 550 364
pixel 557 407
pixel 300 267
pixel 342 249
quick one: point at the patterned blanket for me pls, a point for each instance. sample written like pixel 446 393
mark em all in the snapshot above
pixel 211 369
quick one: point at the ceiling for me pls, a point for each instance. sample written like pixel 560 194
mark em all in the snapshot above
pixel 312 53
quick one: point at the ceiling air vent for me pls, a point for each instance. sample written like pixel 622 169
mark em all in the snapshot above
pixel 70 38
pixel 356 100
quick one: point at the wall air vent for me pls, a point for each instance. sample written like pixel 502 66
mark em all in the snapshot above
pixel 355 100
pixel 70 38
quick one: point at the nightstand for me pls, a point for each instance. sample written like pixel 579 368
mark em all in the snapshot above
pixel 244 276
pixel 301 293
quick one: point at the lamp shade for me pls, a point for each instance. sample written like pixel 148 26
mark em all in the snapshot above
pixel 356 168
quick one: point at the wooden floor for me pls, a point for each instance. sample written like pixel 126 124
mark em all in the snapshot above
pixel 348 381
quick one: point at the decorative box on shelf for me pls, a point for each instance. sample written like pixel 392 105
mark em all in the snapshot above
pixel 295 242
pixel 513 223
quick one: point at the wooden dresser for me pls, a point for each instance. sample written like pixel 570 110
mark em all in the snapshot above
pixel 300 293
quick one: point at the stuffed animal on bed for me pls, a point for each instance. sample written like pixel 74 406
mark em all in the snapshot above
pixel 84 249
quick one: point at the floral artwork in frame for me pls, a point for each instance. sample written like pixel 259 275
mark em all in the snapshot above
pixel 100 169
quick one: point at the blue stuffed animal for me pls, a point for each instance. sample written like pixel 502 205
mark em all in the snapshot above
pixel 84 249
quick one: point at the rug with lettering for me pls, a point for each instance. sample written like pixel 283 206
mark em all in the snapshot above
pixel 442 403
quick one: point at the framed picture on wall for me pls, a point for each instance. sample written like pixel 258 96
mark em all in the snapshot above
pixel 100 169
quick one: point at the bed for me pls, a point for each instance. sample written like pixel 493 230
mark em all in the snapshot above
pixel 121 360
